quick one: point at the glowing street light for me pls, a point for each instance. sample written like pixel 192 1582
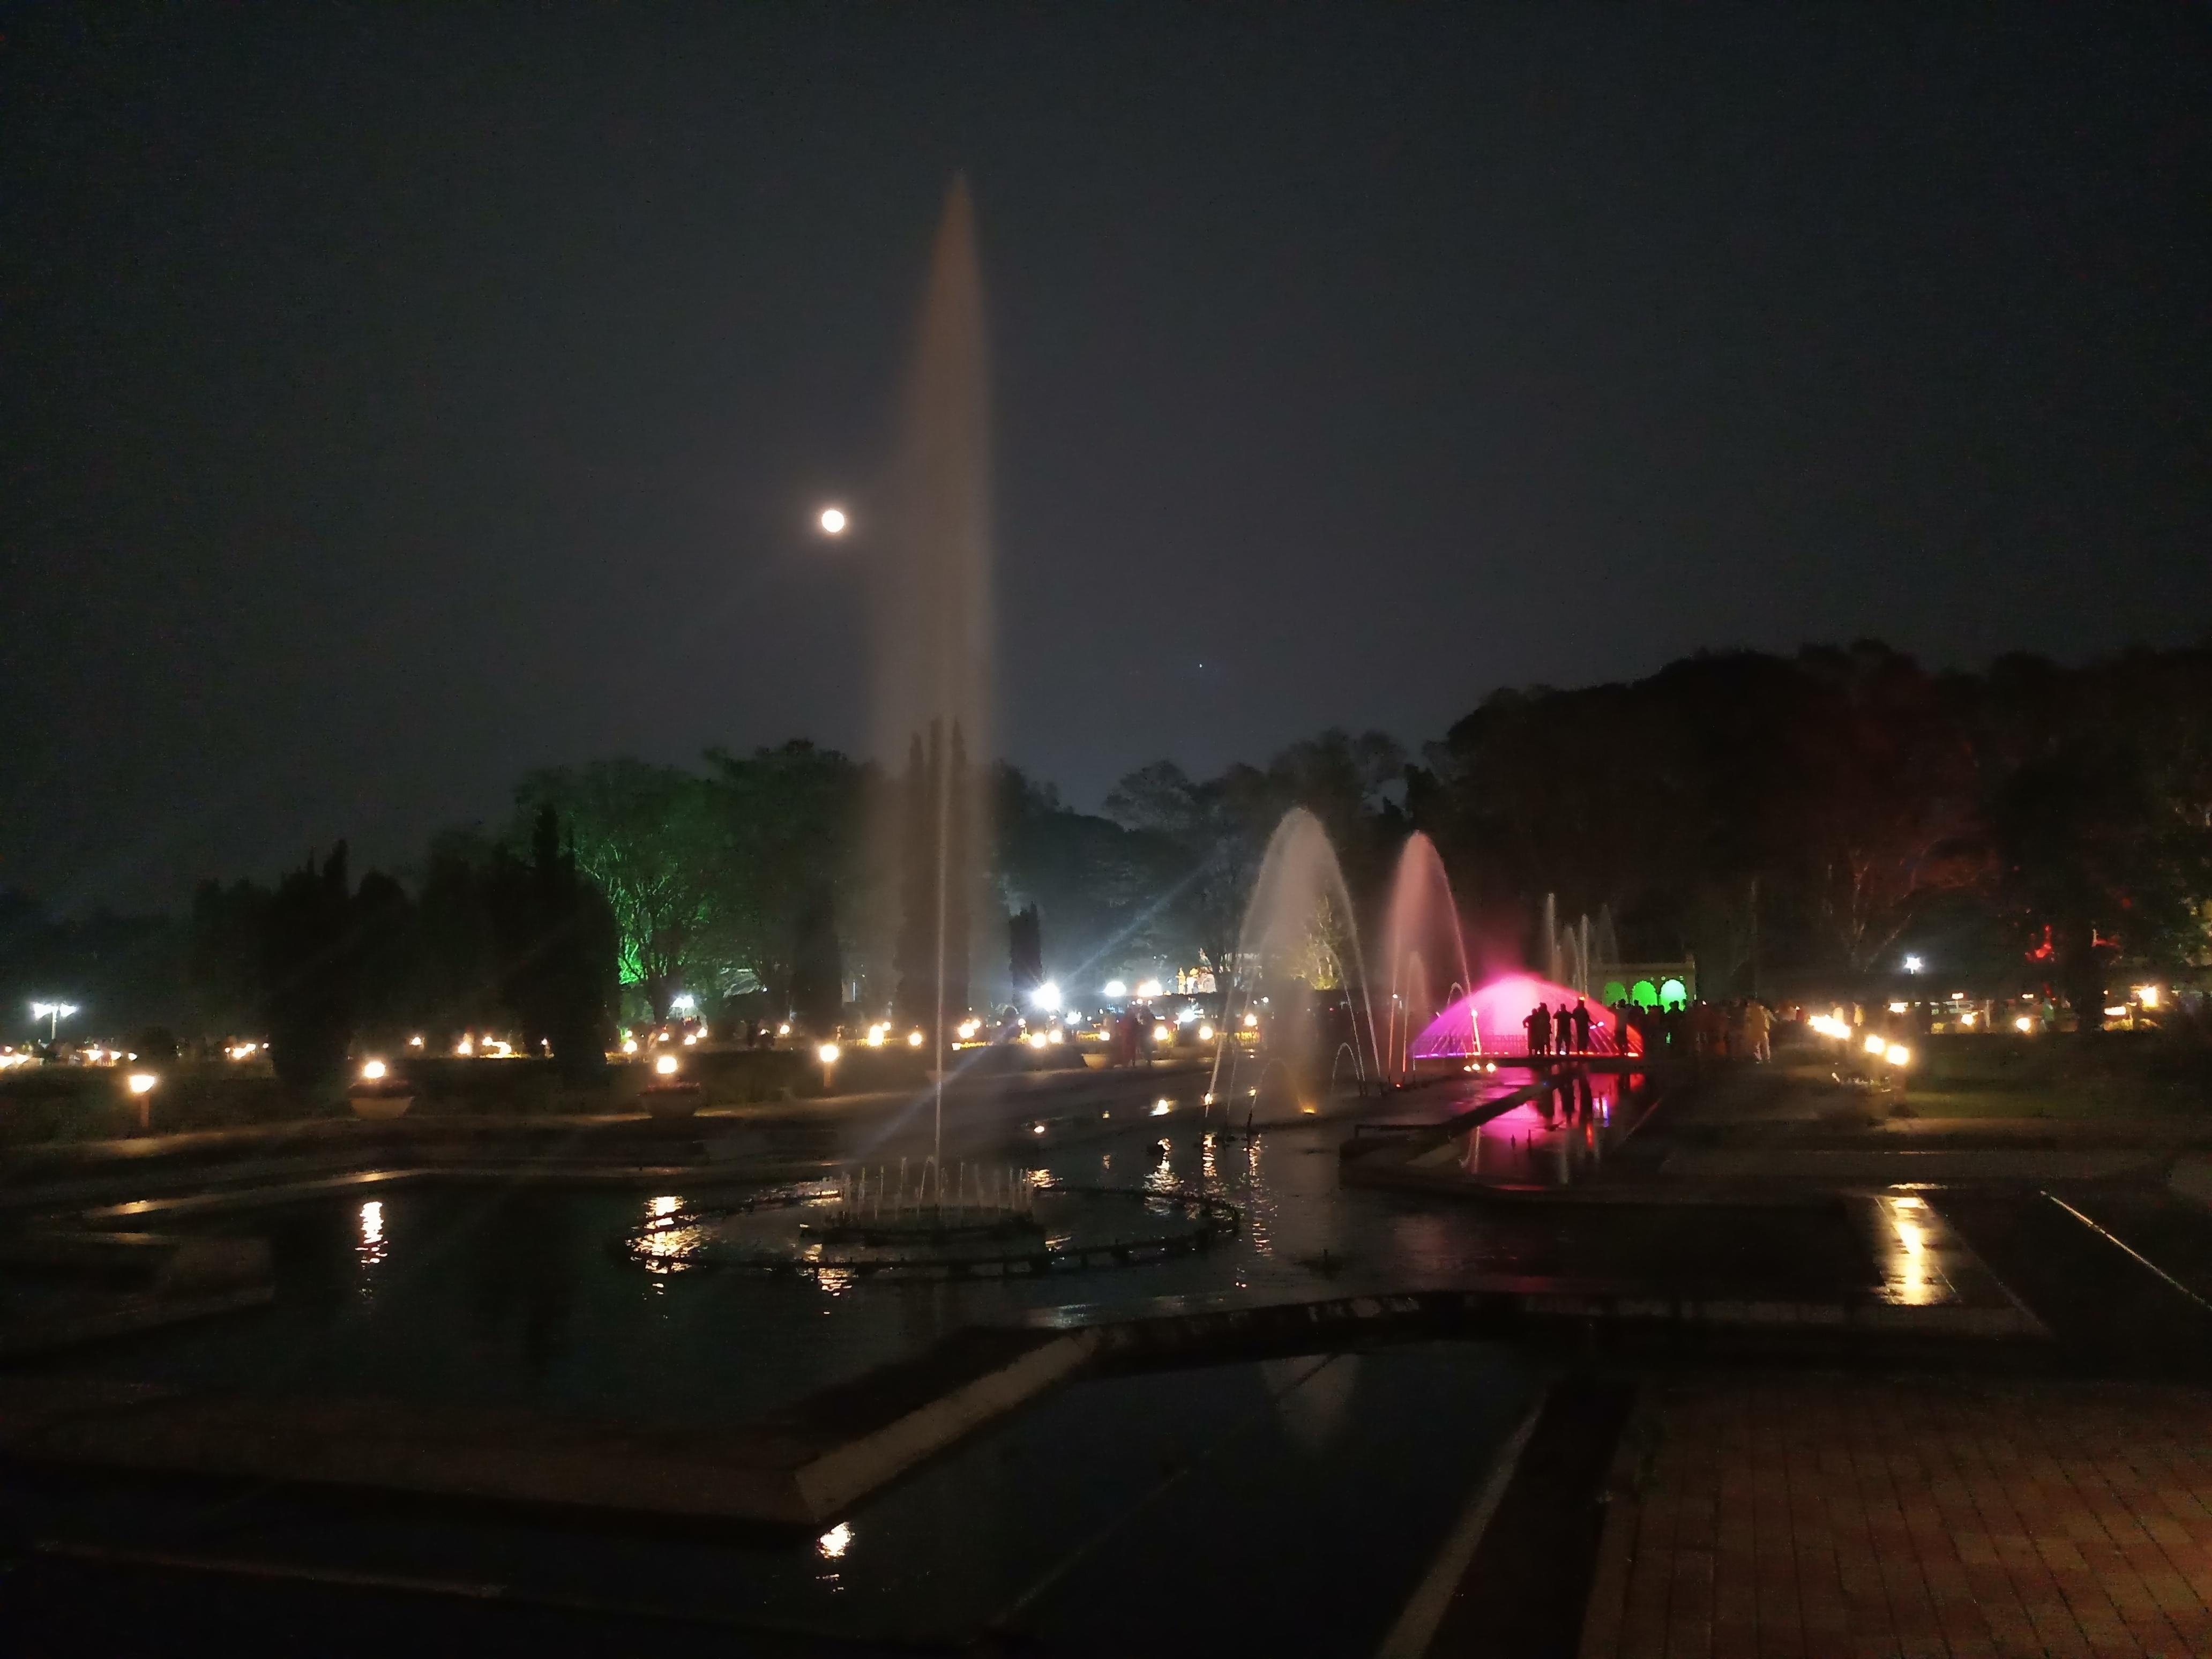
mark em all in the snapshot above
pixel 1913 964
pixel 53 1014
pixel 833 522
pixel 1046 996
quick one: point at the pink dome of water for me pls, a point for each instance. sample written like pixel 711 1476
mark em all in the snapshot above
pixel 1493 1012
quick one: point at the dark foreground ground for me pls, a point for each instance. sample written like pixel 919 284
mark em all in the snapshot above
pixel 1548 1478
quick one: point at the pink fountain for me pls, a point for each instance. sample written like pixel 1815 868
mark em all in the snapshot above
pixel 1488 1021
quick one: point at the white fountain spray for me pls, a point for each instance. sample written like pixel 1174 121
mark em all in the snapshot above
pixel 930 581
pixel 1423 922
pixel 1299 927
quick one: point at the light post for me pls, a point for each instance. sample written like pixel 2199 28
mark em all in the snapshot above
pixel 141 1085
pixel 53 1014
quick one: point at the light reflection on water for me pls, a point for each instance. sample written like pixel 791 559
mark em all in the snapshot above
pixel 517 1294
pixel 372 1248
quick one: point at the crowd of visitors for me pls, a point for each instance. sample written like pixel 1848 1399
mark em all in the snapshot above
pixel 1742 1030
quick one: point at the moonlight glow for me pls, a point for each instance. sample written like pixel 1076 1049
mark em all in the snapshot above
pixel 832 521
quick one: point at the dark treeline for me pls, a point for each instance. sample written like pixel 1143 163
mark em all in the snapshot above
pixel 1799 820
pixel 517 939
pixel 1792 821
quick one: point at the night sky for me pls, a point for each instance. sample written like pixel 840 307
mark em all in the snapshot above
pixel 394 398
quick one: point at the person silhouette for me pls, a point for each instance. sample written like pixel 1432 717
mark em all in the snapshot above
pixel 1582 1018
pixel 1563 1030
pixel 1539 1025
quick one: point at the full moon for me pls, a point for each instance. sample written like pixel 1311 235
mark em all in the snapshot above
pixel 832 521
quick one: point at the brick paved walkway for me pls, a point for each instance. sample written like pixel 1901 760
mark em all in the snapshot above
pixel 1846 1516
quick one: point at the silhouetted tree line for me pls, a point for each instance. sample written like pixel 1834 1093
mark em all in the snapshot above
pixel 517 939
pixel 1797 817
pixel 1786 818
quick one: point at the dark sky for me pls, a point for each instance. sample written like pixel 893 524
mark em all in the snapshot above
pixel 393 399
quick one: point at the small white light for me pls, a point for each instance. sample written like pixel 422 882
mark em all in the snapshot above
pixel 1876 1044
pixel 1900 1054
pixel 839 1538
pixel 2023 1024
pixel 914 1039
pixel 1913 964
pixel 1037 1128
pixel 1046 996
pixel 1163 1032
pixel 828 1053
pixel 1162 1107
pixel 784 1030
pixel 629 1045
pixel 666 1066
pixel 1115 989
pixel 372 1071
pixel 143 1083
pixel 1206 1034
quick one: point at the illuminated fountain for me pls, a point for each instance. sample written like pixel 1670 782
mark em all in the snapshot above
pixel 1425 952
pixel 931 616
pixel 973 1220
pixel 1300 970
pixel 1487 1021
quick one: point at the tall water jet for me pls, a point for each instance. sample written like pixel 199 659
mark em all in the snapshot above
pixel 1421 929
pixel 930 598
pixel 1298 938
pixel 1605 944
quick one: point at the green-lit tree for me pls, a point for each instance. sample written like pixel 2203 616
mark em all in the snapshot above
pixel 655 840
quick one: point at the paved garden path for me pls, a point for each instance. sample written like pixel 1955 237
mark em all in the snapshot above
pixel 1824 1515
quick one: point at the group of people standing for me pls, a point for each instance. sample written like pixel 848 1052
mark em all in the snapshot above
pixel 1566 1032
pixel 1741 1029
